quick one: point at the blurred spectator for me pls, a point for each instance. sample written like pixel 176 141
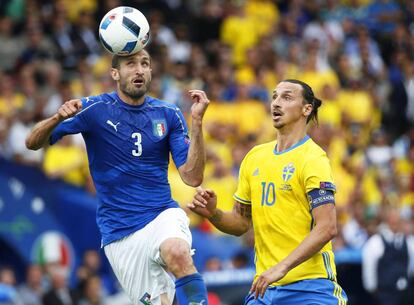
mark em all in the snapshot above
pixel 8 292
pixel 92 291
pixel 361 47
pixel 234 32
pixel 87 44
pixel 32 290
pixel 63 37
pixel 207 24
pixel 379 152
pixel 19 129
pixel 401 100
pixel 387 259
pixel 213 264
pixel 382 16
pixel 38 46
pixel 10 100
pixel 60 293
pixel 9 44
pixel 68 161
pixel 179 50
pixel 240 260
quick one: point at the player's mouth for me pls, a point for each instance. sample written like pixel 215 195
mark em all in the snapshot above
pixel 138 81
pixel 276 114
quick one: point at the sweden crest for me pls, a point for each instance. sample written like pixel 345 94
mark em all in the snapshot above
pixel 288 171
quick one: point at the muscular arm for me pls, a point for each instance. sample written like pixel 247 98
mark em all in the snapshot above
pixel 237 222
pixel 325 229
pixel 39 136
pixel 41 132
pixel 192 171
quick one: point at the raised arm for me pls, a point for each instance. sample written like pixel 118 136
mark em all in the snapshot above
pixel 41 132
pixel 237 222
pixel 192 171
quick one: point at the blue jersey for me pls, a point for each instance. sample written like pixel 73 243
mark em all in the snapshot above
pixel 128 150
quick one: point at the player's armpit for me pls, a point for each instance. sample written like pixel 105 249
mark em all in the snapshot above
pixel 244 210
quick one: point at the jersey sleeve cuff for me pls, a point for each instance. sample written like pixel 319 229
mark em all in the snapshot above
pixel 244 201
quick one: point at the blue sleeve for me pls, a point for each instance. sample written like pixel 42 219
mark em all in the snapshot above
pixel 73 125
pixel 179 140
pixel 318 197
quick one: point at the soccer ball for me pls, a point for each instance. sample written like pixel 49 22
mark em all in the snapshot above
pixel 124 31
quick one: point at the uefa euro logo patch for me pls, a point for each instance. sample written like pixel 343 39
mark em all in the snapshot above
pixel 288 171
pixel 159 128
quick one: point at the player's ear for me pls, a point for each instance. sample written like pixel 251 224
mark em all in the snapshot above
pixel 307 109
pixel 115 74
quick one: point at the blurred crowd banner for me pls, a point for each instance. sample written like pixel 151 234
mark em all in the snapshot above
pixel 43 221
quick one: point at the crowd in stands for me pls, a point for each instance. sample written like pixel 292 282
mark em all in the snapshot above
pixel 357 55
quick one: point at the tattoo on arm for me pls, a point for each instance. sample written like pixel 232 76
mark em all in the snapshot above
pixel 243 210
pixel 217 216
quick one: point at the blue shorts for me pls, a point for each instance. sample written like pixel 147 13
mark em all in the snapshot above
pixel 306 292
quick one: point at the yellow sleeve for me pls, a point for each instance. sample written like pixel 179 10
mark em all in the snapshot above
pixel 243 194
pixel 317 174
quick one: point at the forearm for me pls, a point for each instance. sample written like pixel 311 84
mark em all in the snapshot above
pixel 229 222
pixel 312 244
pixel 41 132
pixel 194 167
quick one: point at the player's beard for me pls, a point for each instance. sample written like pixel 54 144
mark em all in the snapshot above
pixel 132 91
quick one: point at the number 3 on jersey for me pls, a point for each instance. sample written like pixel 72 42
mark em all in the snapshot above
pixel 137 152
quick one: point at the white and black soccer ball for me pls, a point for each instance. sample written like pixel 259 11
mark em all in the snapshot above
pixel 124 31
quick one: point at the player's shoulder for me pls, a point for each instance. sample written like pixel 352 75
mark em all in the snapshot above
pixel 96 101
pixel 258 150
pixel 156 103
pixel 313 150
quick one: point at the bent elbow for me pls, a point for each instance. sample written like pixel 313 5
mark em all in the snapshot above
pixel 238 233
pixel 30 145
pixel 332 232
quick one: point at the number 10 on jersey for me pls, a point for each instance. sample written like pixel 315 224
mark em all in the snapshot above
pixel 268 193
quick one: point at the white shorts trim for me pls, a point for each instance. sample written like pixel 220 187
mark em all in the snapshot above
pixel 136 259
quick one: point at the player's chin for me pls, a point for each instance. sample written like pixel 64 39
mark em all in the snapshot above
pixel 278 124
pixel 138 91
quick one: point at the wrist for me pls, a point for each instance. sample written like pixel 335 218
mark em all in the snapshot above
pixel 216 216
pixel 196 120
pixel 57 118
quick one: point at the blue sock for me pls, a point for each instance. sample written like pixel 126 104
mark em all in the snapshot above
pixel 191 289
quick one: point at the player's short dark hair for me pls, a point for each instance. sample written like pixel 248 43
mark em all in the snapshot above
pixel 308 98
pixel 116 60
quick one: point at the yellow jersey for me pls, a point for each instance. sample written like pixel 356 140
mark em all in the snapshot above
pixel 276 184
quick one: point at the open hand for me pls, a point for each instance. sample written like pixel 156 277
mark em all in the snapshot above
pixel 204 203
pixel 268 277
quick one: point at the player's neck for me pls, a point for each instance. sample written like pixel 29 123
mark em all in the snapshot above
pixel 287 138
pixel 129 100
